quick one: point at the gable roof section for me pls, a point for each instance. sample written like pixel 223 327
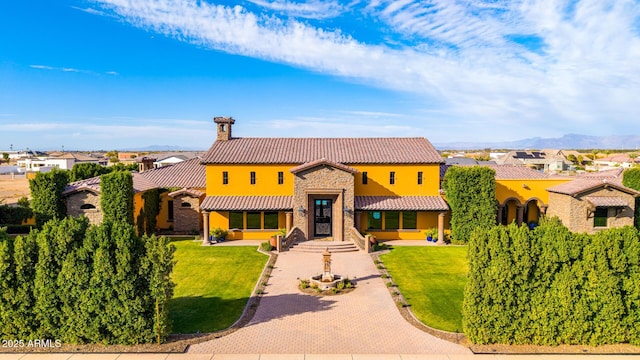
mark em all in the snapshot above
pixel 323 161
pixel 93 184
pixel 186 174
pixel 579 186
pixel 339 150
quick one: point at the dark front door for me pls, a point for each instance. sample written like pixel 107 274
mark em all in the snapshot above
pixel 322 217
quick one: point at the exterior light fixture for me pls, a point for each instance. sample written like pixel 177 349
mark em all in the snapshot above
pixel 301 211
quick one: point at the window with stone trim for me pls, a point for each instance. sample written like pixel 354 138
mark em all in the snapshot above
pixel 236 220
pixel 601 217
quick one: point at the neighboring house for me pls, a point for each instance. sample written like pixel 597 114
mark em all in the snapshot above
pixel 327 188
pixel 550 161
pixel 64 161
pixel 592 204
pixel 615 161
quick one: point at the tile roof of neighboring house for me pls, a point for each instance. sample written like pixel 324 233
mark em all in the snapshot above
pixel 238 203
pixel 76 156
pixel 340 150
pixel 400 203
pixel 607 201
pixel 323 161
pixel 613 175
pixel 93 184
pixel 581 185
pixel 187 174
pixel 514 172
pixel 460 161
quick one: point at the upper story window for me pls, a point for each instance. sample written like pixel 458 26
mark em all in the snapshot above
pixel 280 177
pixel 392 177
pixel 225 177
pixel 364 178
pixel 419 177
pixel 253 178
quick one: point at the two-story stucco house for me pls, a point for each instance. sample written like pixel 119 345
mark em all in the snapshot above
pixel 324 187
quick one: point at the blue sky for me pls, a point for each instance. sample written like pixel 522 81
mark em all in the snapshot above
pixel 111 74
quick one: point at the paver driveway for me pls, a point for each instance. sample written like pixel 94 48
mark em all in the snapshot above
pixel 364 321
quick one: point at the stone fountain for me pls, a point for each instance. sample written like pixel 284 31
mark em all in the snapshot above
pixel 327 279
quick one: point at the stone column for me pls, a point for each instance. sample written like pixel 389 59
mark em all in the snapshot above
pixel 543 209
pixel 499 217
pixel 288 221
pixel 520 214
pixel 441 228
pixel 205 226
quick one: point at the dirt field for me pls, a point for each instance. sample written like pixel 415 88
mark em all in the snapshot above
pixel 13 189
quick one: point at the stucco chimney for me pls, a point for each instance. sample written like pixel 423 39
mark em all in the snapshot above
pixel 224 124
pixel 146 163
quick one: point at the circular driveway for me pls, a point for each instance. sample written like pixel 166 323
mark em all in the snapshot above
pixel 364 321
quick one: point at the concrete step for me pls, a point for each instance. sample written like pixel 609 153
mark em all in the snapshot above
pixel 320 246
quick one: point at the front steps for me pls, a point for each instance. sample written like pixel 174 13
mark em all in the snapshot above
pixel 320 246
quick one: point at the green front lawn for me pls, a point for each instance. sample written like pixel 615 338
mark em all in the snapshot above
pixel 213 285
pixel 432 280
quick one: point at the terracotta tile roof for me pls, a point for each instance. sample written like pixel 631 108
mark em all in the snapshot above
pixel 238 203
pixel 340 150
pixel 76 156
pixel 400 203
pixel 612 174
pixel 323 161
pixel 188 174
pixel 185 191
pixel 607 201
pixel 93 184
pixel 581 185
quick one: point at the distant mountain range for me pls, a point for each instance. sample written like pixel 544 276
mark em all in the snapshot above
pixel 162 148
pixel 568 141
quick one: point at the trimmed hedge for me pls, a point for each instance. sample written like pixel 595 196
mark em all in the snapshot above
pixel 550 286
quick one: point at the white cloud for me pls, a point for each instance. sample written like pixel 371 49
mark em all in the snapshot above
pixel 457 54
pixel 70 70
pixel 313 9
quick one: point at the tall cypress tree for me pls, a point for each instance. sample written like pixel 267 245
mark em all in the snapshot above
pixel 116 197
pixel 471 194
pixel 46 195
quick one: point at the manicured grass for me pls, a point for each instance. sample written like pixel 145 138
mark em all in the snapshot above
pixel 213 285
pixel 432 280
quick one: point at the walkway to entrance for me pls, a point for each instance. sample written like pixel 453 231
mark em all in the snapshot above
pixel 365 321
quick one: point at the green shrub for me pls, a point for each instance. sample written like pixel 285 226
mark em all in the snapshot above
pixel 266 246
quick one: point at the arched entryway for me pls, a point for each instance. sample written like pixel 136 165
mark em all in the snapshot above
pixel 508 211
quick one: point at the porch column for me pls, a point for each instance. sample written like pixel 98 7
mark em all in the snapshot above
pixel 520 214
pixel 499 218
pixel 205 226
pixel 543 209
pixel 440 228
pixel 288 221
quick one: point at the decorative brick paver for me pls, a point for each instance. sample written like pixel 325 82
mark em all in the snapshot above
pixel 364 321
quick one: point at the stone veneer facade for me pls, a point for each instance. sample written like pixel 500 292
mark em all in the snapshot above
pixel 576 213
pixel 324 182
pixel 186 219
pixel 76 200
